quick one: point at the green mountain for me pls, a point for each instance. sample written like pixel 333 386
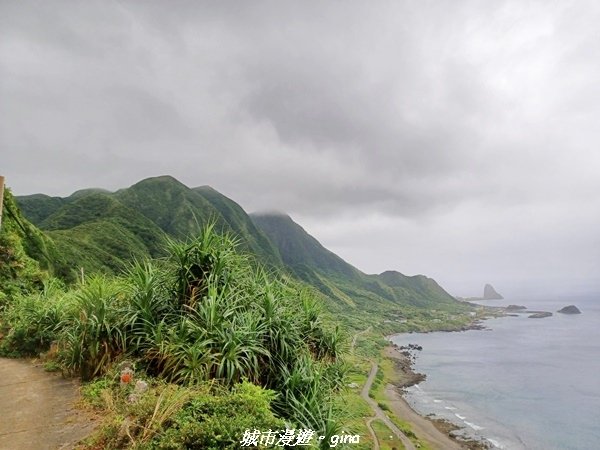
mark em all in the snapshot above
pixel 299 250
pixel 241 224
pixel 38 207
pixel 96 232
pixel 101 231
pixel 351 289
pixel 171 205
pixel 181 212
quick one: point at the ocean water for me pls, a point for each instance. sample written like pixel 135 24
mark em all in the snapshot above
pixel 524 384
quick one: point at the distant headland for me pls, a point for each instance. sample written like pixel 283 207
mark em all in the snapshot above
pixel 489 293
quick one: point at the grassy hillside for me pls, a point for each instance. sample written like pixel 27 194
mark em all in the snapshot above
pixel 37 207
pixel 103 246
pixel 102 231
pixel 27 255
pixel 20 267
pixel 242 225
pixel 403 302
pixel 171 205
pixel 97 233
pixel 299 250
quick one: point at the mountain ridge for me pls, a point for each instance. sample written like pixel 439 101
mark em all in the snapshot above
pixel 101 231
pixel 312 262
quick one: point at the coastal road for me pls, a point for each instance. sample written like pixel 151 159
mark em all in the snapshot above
pixel 37 409
pixel 379 414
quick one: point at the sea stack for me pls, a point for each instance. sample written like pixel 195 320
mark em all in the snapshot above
pixel 489 293
pixel 571 309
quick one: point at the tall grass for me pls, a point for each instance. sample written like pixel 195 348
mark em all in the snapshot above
pixel 32 322
pixel 92 338
pixel 205 312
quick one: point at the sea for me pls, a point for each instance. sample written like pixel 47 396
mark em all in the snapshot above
pixel 520 384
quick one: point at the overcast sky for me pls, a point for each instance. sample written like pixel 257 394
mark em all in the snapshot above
pixel 458 139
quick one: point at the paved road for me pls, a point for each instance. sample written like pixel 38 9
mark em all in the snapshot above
pixel 36 409
pixel 379 414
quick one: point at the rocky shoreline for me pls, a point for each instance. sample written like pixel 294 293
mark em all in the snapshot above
pixel 449 435
pixel 446 434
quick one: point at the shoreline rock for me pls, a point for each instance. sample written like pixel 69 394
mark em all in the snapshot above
pixel 515 307
pixel 539 315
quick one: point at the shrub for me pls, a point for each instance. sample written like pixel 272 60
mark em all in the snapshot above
pixel 217 420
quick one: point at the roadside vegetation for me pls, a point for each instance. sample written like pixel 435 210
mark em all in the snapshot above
pixel 223 346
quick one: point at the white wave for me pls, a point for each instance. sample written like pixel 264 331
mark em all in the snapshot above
pixel 435 400
pixel 475 427
pixel 495 443
pixel 459 416
pixel 450 408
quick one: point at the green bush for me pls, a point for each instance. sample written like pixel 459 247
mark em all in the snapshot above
pixel 32 321
pixel 218 420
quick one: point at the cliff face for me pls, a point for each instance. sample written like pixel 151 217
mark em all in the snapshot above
pixel 489 293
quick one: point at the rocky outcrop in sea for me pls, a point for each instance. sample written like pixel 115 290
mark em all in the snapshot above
pixel 489 293
pixel 540 315
pixel 571 309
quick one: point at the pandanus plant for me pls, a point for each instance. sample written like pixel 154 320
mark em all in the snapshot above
pixel 205 312
pixel 95 336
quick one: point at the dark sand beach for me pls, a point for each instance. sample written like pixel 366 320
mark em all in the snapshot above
pixel 436 432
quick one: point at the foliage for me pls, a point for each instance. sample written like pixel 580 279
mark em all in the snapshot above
pixel 23 253
pixel 204 313
pixel 93 336
pixel 217 420
pixel 169 416
pixel 33 320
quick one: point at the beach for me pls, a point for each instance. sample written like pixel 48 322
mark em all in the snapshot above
pixel 437 433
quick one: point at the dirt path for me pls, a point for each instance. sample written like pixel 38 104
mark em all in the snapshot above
pixel 373 435
pixel 36 409
pixel 408 445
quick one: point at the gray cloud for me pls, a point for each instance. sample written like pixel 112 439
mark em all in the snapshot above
pixel 456 139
